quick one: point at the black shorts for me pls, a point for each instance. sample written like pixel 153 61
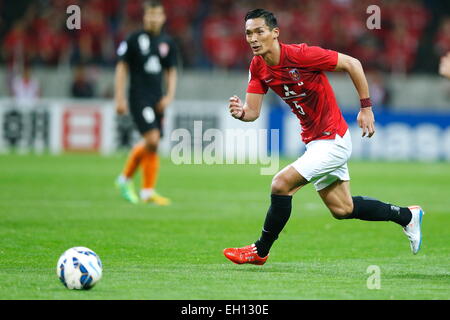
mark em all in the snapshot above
pixel 146 118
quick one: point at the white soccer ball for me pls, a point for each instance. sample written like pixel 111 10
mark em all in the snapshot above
pixel 79 268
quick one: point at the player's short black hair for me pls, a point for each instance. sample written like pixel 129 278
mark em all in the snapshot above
pixel 268 17
pixel 152 4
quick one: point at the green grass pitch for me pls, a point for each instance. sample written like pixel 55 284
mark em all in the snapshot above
pixel 51 203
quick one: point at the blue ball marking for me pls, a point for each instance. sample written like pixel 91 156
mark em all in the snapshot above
pixel 62 277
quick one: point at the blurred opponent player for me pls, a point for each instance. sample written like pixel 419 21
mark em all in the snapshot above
pixel 149 57
pixel 295 73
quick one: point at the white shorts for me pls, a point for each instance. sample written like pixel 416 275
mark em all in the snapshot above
pixel 325 161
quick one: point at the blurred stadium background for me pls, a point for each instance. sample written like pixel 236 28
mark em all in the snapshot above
pixel 57 84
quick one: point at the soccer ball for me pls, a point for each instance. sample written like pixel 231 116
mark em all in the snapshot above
pixel 79 268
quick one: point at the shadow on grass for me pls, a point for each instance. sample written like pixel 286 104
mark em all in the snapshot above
pixel 272 268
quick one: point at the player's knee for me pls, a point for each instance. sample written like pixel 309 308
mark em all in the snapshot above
pixel 151 144
pixel 340 215
pixel 342 211
pixel 151 140
pixel 152 147
pixel 279 186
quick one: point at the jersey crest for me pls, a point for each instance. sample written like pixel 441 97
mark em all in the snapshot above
pixel 294 74
pixel 163 48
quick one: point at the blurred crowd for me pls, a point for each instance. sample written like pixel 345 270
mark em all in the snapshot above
pixel 210 34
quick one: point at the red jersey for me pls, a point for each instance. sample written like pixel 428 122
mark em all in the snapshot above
pixel 299 80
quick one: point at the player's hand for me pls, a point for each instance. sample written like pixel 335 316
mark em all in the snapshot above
pixel 162 104
pixel 121 107
pixel 444 66
pixel 236 107
pixel 366 122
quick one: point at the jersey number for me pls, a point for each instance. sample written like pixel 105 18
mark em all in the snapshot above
pixel 288 93
pixel 299 108
pixel 153 65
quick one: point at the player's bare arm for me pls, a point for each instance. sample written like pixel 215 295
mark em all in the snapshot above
pixel 248 111
pixel 121 76
pixel 170 76
pixel 444 66
pixel 353 67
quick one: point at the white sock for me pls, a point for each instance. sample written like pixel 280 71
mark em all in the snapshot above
pixel 146 193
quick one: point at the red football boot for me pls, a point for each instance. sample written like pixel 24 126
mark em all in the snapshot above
pixel 247 254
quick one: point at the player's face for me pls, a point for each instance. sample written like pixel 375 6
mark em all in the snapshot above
pixel 154 18
pixel 259 36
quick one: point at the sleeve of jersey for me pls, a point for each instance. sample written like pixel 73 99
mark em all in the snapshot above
pixel 255 84
pixel 123 51
pixel 317 58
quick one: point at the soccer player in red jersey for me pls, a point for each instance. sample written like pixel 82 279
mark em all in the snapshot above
pixel 296 73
